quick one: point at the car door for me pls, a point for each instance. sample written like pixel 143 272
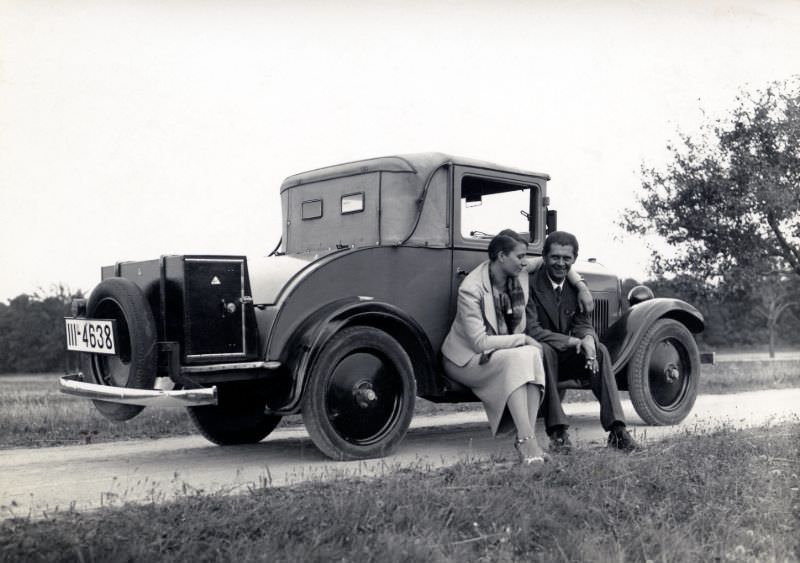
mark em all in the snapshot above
pixel 484 203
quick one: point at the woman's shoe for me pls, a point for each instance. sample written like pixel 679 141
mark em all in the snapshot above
pixel 529 459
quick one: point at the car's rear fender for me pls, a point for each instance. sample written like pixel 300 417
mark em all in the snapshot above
pixel 312 335
pixel 624 336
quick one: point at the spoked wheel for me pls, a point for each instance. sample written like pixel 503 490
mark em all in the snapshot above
pixel 134 365
pixel 239 417
pixel 664 373
pixel 360 396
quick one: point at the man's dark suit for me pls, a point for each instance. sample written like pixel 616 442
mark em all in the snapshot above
pixel 551 324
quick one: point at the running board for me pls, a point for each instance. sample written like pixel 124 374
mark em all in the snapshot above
pixel 74 385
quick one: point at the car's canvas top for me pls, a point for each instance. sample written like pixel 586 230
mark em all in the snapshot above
pixel 420 164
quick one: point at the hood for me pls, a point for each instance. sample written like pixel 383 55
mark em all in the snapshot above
pixel 597 276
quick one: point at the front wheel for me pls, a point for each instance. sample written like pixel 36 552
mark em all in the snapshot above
pixel 664 373
pixel 360 396
pixel 238 418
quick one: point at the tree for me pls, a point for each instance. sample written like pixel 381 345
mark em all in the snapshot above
pixel 728 202
pixel 776 297
pixel 32 331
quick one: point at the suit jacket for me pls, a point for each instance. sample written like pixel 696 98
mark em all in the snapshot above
pixel 474 330
pixel 551 324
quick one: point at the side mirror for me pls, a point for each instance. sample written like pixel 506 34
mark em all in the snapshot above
pixel 551 221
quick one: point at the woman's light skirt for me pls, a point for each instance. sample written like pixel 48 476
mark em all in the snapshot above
pixel 493 382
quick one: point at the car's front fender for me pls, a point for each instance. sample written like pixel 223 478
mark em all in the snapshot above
pixel 624 336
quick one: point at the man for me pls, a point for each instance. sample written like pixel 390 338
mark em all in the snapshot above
pixel 571 349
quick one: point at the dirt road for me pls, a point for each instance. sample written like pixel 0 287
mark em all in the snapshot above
pixel 34 481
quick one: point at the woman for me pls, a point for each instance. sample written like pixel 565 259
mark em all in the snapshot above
pixel 487 350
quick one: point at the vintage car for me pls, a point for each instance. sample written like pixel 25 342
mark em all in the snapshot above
pixel 343 321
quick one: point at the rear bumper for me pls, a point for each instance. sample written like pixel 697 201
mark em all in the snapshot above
pixel 74 385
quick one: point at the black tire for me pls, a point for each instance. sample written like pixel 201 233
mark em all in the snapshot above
pixel 134 366
pixel 663 374
pixel 238 418
pixel 360 395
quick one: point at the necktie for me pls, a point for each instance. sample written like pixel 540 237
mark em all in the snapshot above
pixel 558 295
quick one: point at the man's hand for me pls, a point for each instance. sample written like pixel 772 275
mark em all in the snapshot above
pixel 531 342
pixel 585 299
pixel 589 351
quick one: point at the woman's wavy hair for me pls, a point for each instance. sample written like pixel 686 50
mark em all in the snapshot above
pixel 505 241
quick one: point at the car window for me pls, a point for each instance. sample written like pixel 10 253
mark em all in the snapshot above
pixel 312 209
pixel 352 203
pixel 484 214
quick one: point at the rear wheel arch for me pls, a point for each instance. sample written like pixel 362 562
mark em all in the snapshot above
pixel 410 336
pixel 312 336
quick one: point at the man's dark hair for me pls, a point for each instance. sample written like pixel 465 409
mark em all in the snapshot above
pixel 505 241
pixel 560 237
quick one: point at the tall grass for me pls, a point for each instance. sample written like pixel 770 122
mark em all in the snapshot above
pixel 726 496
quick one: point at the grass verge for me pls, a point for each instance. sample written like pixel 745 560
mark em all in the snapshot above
pixel 729 495
pixel 33 412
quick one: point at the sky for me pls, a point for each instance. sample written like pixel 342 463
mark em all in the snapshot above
pixel 129 130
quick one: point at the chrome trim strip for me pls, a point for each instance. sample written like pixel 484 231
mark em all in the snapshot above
pixel 231 355
pixel 73 385
pixel 230 367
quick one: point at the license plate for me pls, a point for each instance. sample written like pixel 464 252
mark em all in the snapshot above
pixel 91 335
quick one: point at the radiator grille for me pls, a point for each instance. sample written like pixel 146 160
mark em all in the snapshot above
pixel 600 317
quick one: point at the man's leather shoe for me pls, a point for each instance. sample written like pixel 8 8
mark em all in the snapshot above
pixel 560 442
pixel 619 439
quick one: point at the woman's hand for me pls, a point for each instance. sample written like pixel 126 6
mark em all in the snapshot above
pixel 531 342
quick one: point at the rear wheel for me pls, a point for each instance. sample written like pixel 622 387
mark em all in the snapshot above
pixel 360 396
pixel 134 365
pixel 664 373
pixel 238 418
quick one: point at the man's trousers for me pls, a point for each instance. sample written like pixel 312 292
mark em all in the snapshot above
pixel 567 365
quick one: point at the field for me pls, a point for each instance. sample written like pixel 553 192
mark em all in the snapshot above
pixel 34 413
pixel 730 495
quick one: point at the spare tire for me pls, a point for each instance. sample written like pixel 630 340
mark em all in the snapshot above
pixel 135 364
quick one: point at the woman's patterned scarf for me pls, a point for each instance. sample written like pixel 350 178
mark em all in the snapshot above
pixel 509 304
